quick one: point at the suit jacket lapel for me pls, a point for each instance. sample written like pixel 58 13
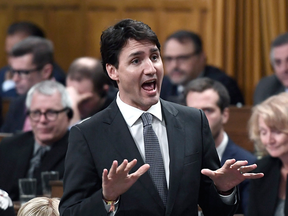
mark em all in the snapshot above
pixel 26 150
pixel 176 142
pixel 57 153
pixel 126 147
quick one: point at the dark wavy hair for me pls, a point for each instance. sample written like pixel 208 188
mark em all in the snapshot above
pixel 115 38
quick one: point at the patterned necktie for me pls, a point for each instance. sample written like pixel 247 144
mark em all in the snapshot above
pixel 153 156
pixel 35 161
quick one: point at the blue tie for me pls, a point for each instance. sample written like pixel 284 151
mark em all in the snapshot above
pixel 153 156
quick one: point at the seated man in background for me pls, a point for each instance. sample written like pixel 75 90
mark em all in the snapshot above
pixel 31 61
pixel 185 60
pixel 89 87
pixel 15 33
pixel 28 154
pixel 212 97
pixel 277 82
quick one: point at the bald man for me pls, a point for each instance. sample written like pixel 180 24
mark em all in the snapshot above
pixel 89 88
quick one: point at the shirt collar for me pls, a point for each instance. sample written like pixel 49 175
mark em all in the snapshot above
pixel 221 148
pixel 132 114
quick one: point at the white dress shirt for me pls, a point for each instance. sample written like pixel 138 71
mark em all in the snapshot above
pixel 132 117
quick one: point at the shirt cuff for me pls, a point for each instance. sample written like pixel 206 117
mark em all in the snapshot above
pixel 230 199
pixel 7 85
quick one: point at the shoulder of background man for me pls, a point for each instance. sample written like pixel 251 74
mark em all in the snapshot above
pixel 266 87
pixel 168 89
pixel 230 83
pixel 235 151
pixel 59 74
pixel 16 141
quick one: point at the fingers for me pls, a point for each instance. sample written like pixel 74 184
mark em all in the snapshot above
pixel 208 172
pixel 238 164
pixel 144 168
pixel 253 175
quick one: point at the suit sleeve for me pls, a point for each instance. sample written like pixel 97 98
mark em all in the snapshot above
pixel 82 184
pixel 209 198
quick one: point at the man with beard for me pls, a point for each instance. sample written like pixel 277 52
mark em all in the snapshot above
pixel 185 60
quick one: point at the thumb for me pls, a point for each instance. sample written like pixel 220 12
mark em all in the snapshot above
pixel 208 173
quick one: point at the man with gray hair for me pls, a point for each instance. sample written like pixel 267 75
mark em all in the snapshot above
pixel 277 82
pixel 31 61
pixel 49 109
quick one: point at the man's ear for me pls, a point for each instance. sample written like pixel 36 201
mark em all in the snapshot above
pixel 47 71
pixel 112 72
pixel 225 115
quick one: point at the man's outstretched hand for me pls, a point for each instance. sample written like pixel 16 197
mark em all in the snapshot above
pixel 231 174
pixel 118 180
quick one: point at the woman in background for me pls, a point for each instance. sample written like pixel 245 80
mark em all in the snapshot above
pixel 40 206
pixel 268 128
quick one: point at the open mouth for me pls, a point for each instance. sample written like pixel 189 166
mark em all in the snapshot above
pixel 149 85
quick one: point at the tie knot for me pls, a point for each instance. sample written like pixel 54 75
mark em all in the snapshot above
pixel 146 119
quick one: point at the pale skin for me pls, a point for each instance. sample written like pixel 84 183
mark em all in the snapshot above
pixel 141 62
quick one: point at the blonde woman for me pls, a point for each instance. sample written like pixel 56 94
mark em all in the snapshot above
pixel 40 206
pixel 268 128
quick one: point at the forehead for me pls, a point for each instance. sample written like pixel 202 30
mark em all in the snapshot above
pixel 134 47
pixel 45 102
pixel 281 51
pixel 206 98
pixel 11 40
pixel 175 47
pixel 22 62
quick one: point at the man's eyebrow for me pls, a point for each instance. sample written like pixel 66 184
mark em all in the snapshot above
pixel 136 53
pixel 152 50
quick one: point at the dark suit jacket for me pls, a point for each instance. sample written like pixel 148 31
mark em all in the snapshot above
pixel 57 72
pixel 15 117
pixel 169 91
pixel 15 155
pixel 234 151
pixel 264 191
pixel 105 137
pixel 266 87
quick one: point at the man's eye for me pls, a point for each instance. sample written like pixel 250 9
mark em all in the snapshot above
pixel 135 61
pixel 154 57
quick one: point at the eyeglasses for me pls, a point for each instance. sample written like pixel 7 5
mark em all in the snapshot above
pixel 50 115
pixel 24 73
pixel 180 59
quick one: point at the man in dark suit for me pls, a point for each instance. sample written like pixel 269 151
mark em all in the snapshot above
pixel 89 87
pixel 49 110
pixel 277 82
pixel 31 62
pixel 15 33
pixel 212 97
pixel 185 60
pixel 176 181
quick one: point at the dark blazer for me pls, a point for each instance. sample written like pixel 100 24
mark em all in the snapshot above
pixel 234 151
pixel 15 155
pixel 266 87
pixel 105 137
pixel 15 117
pixel 169 90
pixel 264 191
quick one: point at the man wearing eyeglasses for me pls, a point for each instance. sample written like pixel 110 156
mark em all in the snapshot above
pixel 31 61
pixel 185 60
pixel 28 154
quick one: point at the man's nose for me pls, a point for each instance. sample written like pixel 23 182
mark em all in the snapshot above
pixel 149 67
